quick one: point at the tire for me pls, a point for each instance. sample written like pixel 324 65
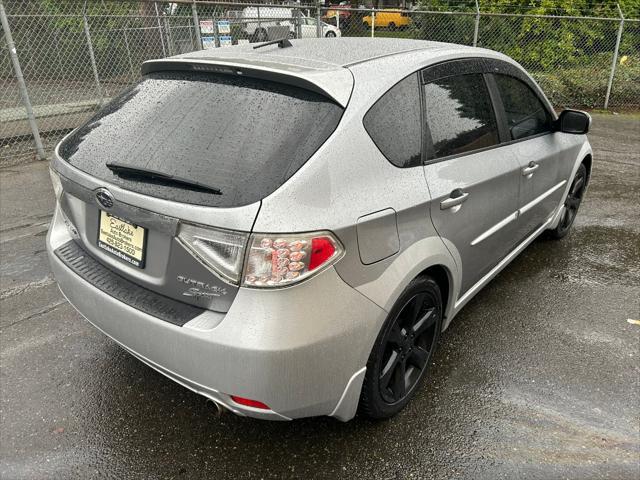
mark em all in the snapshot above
pixel 571 204
pixel 330 34
pixel 392 26
pixel 402 352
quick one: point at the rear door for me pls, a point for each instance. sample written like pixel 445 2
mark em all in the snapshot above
pixel 473 185
pixel 535 147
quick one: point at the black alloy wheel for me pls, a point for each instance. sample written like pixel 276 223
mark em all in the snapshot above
pixel 403 350
pixel 572 203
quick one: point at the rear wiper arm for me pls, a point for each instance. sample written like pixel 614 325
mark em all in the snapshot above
pixel 151 176
pixel 282 43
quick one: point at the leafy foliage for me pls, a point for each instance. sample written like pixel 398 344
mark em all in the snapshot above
pixel 538 42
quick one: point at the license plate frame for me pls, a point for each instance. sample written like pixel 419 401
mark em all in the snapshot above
pixel 122 239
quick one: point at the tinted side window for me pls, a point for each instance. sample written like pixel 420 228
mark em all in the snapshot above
pixel 525 113
pixel 393 123
pixel 459 115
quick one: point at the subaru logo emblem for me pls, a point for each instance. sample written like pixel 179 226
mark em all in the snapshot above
pixel 104 198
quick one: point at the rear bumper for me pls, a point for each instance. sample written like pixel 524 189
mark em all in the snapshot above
pixel 300 350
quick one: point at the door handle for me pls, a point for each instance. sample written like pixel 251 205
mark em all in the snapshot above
pixel 457 197
pixel 528 170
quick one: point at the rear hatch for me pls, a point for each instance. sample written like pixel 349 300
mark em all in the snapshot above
pixel 163 185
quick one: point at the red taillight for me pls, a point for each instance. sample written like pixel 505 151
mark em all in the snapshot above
pixel 284 259
pixel 322 249
pixel 247 402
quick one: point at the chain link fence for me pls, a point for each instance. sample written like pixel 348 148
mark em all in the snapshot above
pixel 573 58
pixel 60 61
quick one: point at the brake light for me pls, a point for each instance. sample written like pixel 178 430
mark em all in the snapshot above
pixel 247 402
pixel 322 249
pixel 273 260
pixel 277 261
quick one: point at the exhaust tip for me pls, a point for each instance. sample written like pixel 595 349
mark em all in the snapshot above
pixel 218 407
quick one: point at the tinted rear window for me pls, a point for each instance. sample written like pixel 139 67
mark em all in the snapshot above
pixel 244 137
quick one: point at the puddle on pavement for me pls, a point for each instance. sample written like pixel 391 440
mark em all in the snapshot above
pixel 590 255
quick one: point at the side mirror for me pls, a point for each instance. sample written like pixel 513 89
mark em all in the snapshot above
pixel 574 121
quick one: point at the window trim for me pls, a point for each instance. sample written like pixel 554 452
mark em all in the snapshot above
pixel 426 145
pixel 498 108
pixel 487 67
pixel 464 65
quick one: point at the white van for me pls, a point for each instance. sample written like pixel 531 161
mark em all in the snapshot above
pixel 256 21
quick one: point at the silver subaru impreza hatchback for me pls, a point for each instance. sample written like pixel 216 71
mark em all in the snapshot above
pixel 286 230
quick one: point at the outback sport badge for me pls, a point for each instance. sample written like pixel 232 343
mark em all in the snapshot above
pixel 104 198
pixel 200 289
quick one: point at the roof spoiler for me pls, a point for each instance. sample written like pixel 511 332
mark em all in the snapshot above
pixel 334 83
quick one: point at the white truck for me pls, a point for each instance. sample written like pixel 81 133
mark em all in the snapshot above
pixel 256 22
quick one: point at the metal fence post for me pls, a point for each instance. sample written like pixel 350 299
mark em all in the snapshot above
pixel 298 22
pixel 164 52
pixel 614 62
pixel 126 44
pixel 216 32
pixel 318 24
pixel 477 25
pixel 373 22
pixel 196 24
pixel 92 57
pixel 168 35
pixel 259 24
pixel 21 84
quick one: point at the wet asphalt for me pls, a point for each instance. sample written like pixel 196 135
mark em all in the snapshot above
pixel 538 377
